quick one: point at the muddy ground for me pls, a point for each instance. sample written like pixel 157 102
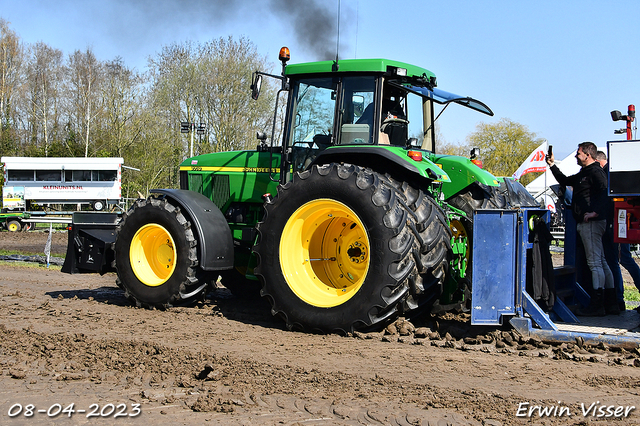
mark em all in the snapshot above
pixel 74 339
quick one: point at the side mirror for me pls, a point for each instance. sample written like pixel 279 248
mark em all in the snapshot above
pixel 255 86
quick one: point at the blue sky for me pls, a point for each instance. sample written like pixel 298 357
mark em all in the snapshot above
pixel 558 67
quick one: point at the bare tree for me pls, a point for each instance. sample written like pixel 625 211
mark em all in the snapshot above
pixel 174 92
pixel 209 83
pixel 11 57
pixel 85 73
pixel 122 100
pixel 44 78
pixel 226 68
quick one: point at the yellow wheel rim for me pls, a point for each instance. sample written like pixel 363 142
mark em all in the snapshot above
pixel 152 254
pixel 13 227
pixel 324 253
pixel 457 229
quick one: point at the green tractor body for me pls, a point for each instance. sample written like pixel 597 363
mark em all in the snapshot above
pixel 350 220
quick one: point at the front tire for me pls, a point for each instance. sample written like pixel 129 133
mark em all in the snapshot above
pixel 155 253
pixel 337 250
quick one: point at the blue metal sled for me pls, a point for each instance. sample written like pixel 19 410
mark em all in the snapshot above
pixel 501 247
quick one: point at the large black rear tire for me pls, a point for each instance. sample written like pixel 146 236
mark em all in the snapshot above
pixel 478 197
pixel 155 255
pixel 434 239
pixel 339 250
pixel 475 197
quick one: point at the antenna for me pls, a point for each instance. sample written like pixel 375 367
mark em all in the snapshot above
pixel 355 53
pixel 338 41
pixel 334 67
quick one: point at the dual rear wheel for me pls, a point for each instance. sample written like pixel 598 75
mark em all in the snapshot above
pixel 340 250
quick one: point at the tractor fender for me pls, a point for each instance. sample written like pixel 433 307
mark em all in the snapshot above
pixel 215 244
pixel 383 160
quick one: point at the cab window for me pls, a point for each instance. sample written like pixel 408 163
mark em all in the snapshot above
pixel 357 112
pixel 312 115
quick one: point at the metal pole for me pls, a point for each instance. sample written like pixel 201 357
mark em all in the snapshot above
pixel 631 114
pixel 192 130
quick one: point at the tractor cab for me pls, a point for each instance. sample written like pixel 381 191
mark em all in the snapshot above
pixel 361 103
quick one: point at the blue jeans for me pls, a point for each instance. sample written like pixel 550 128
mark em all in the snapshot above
pixel 626 260
pixel 591 235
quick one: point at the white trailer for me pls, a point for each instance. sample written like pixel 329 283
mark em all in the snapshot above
pixel 61 180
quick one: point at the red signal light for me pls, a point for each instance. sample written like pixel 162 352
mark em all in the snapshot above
pixel 477 162
pixel 415 155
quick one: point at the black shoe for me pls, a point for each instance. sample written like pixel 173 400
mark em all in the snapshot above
pixel 596 305
pixel 610 302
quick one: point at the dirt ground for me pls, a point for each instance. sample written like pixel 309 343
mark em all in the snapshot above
pixel 74 339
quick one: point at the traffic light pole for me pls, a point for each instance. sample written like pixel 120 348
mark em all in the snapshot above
pixel 192 132
pixel 631 115
pixel 187 127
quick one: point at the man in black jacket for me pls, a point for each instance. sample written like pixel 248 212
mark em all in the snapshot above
pixel 589 208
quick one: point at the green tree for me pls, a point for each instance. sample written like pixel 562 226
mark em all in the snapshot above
pixel 447 148
pixel 504 146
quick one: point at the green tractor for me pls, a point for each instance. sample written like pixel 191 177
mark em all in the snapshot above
pixel 348 222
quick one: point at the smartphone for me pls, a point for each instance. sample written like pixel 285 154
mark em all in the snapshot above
pixel 550 151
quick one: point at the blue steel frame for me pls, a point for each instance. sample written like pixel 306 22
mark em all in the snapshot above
pixel 499 269
pixel 500 276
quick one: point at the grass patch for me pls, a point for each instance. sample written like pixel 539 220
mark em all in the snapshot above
pixel 29 265
pixel 21 252
pixel 631 293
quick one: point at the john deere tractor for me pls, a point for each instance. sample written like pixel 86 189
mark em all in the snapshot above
pixel 349 221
